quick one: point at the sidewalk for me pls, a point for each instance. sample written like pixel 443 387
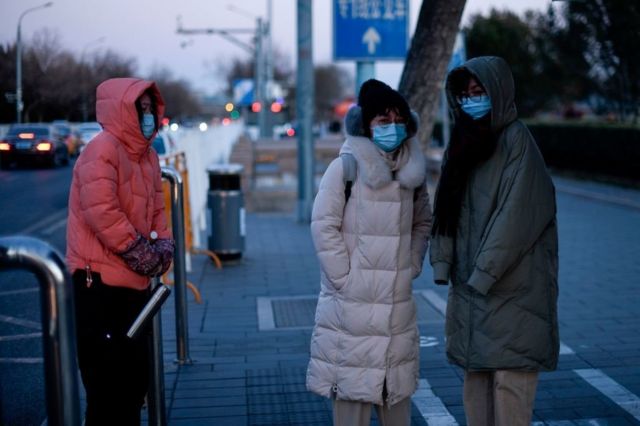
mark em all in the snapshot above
pixel 249 339
pixel 242 375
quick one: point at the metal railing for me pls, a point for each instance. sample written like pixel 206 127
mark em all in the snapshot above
pixel 58 323
pixel 179 264
pixel 157 406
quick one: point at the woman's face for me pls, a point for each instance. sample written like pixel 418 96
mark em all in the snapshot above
pixel 390 117
pixel 473 89
pixel 145 103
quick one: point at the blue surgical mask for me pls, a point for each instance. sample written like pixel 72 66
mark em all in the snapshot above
pixel 476 106
pixel 148 125
pixel 389 137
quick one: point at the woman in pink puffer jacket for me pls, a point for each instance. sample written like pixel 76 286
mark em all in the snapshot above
pixel 115 204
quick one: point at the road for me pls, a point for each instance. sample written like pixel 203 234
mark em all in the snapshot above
pixel 34 202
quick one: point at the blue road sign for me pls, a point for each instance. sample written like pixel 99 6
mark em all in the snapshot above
pixel 370 30
pixel 243 92
pixel 459 55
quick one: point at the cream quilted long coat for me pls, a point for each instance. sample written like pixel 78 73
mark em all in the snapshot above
pixel 370 249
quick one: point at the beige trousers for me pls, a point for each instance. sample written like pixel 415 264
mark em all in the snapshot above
pixel 351 413
pixel 499 398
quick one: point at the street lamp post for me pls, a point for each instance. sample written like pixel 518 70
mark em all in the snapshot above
pixel 85 112
pixel 19 61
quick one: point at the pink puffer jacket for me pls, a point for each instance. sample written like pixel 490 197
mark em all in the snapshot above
pixel 116 190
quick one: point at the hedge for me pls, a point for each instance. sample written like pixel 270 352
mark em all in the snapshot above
pixel 591 149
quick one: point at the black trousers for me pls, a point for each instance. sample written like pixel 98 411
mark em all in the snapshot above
pixel 114 369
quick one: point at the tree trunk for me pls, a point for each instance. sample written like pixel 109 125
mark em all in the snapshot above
pixel 428 57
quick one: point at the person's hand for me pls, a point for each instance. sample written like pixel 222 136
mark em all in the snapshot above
pixel 165 247
pixel 141 257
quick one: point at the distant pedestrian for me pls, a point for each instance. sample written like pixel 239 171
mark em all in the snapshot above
pixel 370 227
pixel 115 203
pixel 495 240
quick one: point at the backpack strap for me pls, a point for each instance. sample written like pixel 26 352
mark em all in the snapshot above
pixel 349 169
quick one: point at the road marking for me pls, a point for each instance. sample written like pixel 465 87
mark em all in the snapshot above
pixel 21 360
pixel 436 301
pixel 566 350
pixel 20 337
pixel 612 390
pixel 20 322
pixel 431 407
pixel 21 291
pixel 53 228
pixel 53 217
pixel 596 378
pixel 611 199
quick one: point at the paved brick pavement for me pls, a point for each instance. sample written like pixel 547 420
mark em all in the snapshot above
pixel 250 359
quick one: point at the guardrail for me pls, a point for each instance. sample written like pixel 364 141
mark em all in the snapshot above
pixel 179 264
pixel 157 406
pixel 58 323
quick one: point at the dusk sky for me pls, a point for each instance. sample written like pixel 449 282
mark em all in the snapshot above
pixel 146 31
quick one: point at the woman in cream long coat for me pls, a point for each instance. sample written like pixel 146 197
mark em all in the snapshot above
pixel 365 344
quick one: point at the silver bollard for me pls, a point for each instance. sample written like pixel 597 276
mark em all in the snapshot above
pixel 58 323
pixel 157 406
pixel 179 264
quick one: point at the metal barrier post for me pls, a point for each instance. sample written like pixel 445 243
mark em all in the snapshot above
pixel 179 264
pixel 157 408
pixel 58 323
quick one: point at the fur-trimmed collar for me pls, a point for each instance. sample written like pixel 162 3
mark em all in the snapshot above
pixel 372 166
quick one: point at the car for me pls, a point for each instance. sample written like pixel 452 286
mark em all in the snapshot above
pixel 85 132
pixel 164 144
pixel 30 143
pixel 62 131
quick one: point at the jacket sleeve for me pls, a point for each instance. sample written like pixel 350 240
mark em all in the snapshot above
pixel 421 228
pixel 326 225
pixel 99 202
pixel 159 222
pixel 525 207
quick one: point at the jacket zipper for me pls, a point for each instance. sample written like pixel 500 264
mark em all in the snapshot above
pixel 87 269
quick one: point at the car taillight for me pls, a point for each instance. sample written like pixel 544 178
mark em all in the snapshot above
pixel 4 146
pixel 43 146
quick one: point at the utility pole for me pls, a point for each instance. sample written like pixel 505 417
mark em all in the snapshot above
pixel 19 104
pixel 261 77
pixel 257 50
pixel 85 109
pixel 305 111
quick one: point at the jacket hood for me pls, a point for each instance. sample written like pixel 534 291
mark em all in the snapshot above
pixel 116 111
pixel 495 76
pixel 371 164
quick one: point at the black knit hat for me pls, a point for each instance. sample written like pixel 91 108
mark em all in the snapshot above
pixel 377 98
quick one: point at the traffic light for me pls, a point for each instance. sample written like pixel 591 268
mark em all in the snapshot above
pixel 256 107
pixel 276 107
pixel 229 107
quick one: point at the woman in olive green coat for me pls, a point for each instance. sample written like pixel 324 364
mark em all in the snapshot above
pixel 495 241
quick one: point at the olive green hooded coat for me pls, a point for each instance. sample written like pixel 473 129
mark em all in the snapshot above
pixel 503 261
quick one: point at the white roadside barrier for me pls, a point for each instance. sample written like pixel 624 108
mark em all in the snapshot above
pixel 202 149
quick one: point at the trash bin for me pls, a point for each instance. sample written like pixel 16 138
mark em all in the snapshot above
pixel 226 211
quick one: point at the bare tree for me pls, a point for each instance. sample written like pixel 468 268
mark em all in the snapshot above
pixel 332 84
pixel 428 57
pixel 178 98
